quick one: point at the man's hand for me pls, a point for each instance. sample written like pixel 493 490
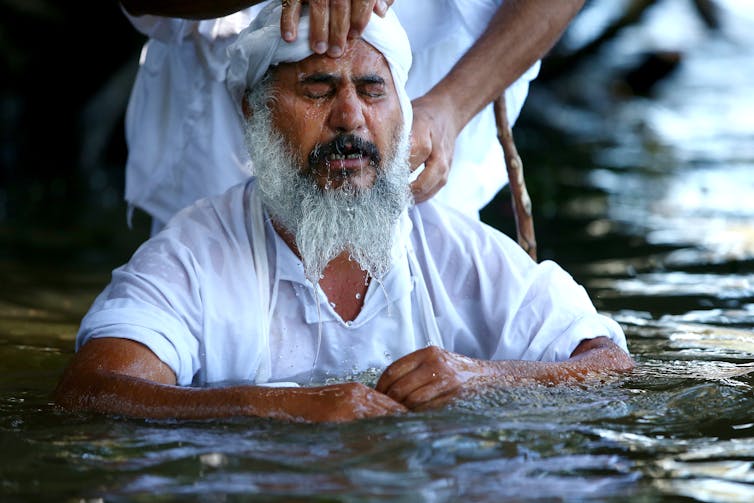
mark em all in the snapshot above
pixel 433 138
pixel 331 22
pixel 428 377
pixel 431 377
pixel 344 402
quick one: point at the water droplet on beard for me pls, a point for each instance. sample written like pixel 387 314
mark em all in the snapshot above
pixel 332 304
pixel 358 295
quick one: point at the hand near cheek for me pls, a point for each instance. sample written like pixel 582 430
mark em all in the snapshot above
pixel 433 138
pixel 428 378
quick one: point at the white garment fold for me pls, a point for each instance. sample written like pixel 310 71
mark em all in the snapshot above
pixel 198 296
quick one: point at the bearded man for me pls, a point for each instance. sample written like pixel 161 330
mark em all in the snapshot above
pixel 284 296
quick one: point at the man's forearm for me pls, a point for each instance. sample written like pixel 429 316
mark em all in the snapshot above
pixel 592 357
pixel 199 9
pixel 520 33
pixel 112 393
pixel 118 394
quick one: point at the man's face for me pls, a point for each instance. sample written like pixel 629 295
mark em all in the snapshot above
pixel 330 157
pixel 339 116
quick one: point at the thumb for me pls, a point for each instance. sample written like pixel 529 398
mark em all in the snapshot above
pixel 421 148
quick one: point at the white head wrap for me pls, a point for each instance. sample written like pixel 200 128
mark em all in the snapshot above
pixel 261 46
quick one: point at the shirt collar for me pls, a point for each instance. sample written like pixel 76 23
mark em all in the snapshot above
pixel 396 283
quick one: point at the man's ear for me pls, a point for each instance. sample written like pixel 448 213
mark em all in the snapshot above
pixel 246 108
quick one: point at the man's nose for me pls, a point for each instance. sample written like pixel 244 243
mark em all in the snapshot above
pixel 347 113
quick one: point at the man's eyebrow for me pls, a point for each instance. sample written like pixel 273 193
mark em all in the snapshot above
pixel 371 78
pixel 316 78
pixel 331 78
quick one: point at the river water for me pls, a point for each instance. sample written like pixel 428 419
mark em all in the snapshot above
pixel 647 201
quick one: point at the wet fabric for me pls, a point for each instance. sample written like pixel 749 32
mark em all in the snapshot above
pixel 191 295
pixel 185 136
pixel 441 31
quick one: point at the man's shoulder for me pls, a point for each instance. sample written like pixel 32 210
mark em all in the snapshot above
pixel 445 230
pixel 225 213
pixel 436 215
pixel 465 256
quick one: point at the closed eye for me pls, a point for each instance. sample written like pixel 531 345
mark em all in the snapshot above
pixel 372 86
pixel 317 90
pixel 373 90
pixel 318 85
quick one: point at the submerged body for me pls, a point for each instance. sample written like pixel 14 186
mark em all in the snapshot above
pixel 230 289
pixel 454 283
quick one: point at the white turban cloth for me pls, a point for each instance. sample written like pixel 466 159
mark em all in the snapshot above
pixel 260 46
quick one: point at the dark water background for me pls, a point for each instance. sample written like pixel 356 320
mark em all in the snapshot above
pixel 645 194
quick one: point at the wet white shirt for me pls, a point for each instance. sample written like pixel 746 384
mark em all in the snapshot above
pixel 192 295
pixel 184 133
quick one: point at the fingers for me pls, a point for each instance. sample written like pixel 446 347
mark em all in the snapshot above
pixel 319 25
pixel 421 387
pixel 331 22
pixel 436 170
pixel 361 11
pixel 348 401
pixel 421 145
pixel 381 7
pixel 432 144
pixel 424 389
pixel 381 404
pixel 431 180
pixel 289 20
pixel 397 370
pixel 421 379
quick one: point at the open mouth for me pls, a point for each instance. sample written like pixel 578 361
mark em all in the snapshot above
pixel 343 157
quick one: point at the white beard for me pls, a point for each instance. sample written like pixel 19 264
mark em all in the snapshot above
pixel 328 222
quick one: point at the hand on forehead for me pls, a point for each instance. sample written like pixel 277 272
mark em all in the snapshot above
pixel 330 24
pixel 260 47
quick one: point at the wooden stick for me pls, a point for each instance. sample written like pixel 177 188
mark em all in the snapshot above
pixel 519 194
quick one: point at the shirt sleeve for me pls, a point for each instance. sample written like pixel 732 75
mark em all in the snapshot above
pixel 164 29
pixel 493 302
pixel 153 300
pixel 173 30
pixel 553 315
